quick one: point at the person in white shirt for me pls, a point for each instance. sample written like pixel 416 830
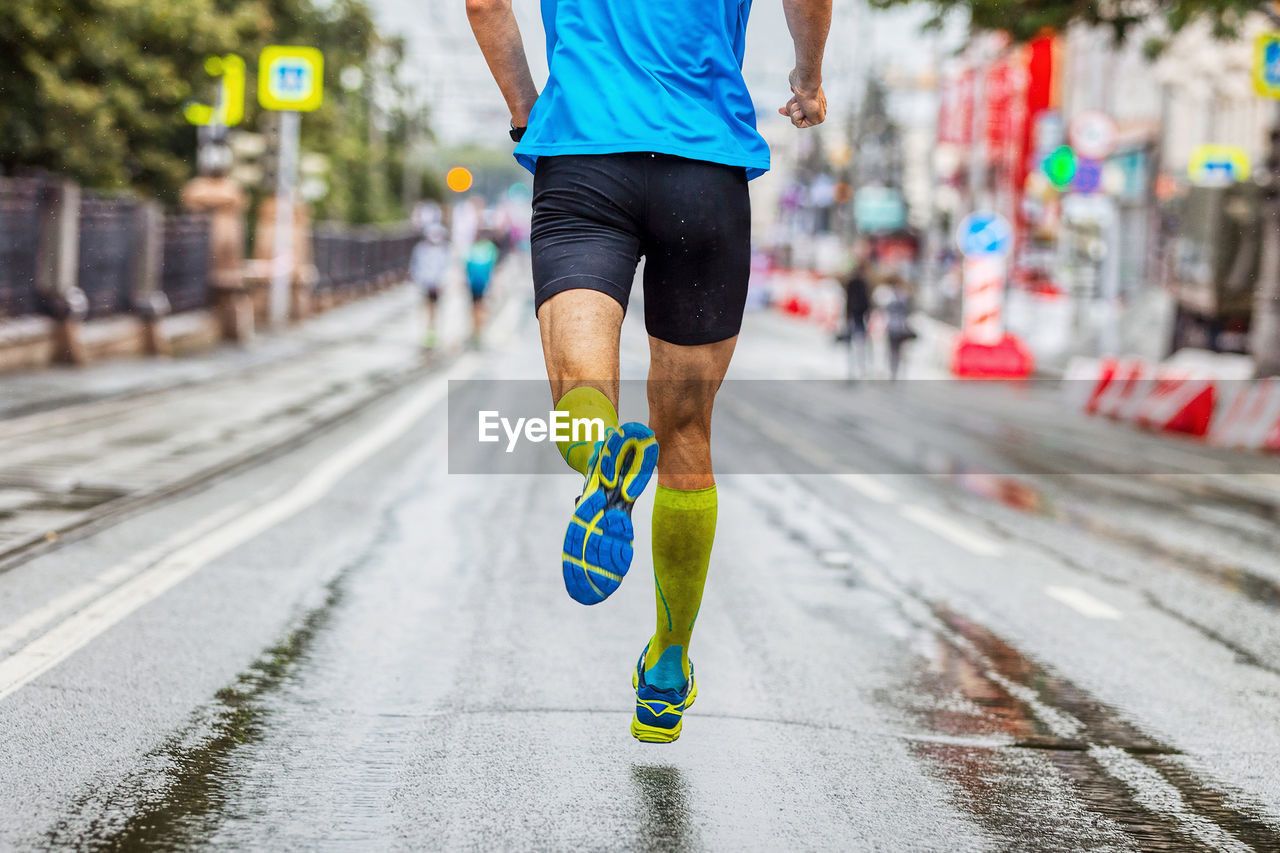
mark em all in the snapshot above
pixel 427 269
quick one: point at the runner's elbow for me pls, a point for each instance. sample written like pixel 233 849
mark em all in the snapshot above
pixel 477 8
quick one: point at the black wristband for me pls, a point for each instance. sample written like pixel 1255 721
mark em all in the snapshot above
pixel 517 133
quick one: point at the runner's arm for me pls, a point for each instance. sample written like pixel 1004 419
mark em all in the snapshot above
pixel 498 35
pixel 809 22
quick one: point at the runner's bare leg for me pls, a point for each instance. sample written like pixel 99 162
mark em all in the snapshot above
pixel 580 330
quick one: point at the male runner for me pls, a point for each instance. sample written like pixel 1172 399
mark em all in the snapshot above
pixel 642 143
pixel 480 261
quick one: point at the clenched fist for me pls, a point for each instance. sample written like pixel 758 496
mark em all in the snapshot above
pixel 808 105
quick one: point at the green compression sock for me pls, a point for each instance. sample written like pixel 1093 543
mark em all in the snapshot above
pixel 584 403
pixel 684 528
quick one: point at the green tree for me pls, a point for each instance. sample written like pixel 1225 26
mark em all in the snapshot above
pixel 94 90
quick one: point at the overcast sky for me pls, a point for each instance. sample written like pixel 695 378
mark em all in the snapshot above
pixel 466 105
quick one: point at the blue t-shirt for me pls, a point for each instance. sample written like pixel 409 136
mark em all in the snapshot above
pixel 646 75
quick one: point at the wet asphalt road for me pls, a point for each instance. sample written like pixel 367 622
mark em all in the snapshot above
pixel 348 647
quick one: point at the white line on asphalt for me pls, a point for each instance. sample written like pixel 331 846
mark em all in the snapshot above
pixel 870 487
pixel 1153 791
pixel 1082 602
pixel 1059 722
pixel 105 580
pixel 957 533
pixel 73 633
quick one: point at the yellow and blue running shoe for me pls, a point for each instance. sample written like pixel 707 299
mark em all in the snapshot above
pixel 659 714
pixel 597 544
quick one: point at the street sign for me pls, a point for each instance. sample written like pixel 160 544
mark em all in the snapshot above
pixel 229 110
pixel 1060 166
pixel 1088 176
pixel 877 209
pixel 290 81
pixel 981 308
pixel 1266 65
pixel 1092 134
pixel 290 78
pixel 1218 165
pixel 984 233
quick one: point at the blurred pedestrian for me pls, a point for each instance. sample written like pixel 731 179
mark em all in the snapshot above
pixel 898 307
pixel 857 305
pixel 427 268
pixel 643 142
pixel 481 259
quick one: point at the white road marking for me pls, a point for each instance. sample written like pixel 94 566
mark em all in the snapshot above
pixel 1153 792
pixel 105 580
pixel 73 633
pixel 1059 722
pixel 957 533
pixel 1082 602
pixel 836 559
pixel 869 486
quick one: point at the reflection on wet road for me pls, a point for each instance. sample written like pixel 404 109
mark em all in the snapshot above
pixel 972 643
pixel 667 819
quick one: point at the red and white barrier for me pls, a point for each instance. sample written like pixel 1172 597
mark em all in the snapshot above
pixel 1250 417
pixel 1121 395
pixel 808 296
pixel 1195 393
pixel 1178 402
pixel 1084 379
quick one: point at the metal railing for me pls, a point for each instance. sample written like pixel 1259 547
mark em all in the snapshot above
pixel 347 257
pixel 184 269
pixel 19 241
pixel 109 242
pixel 110 255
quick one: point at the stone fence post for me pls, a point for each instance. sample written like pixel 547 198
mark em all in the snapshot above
pixel 149 298
pixel 57 268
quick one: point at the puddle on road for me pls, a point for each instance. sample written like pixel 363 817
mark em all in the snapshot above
pixel 198 769
pixel 975 683
pixel 1046 790
pixel 664 803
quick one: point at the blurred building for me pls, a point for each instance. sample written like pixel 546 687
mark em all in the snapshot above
pixel 1085 146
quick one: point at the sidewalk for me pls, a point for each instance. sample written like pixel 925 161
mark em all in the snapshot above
pixel 80 446
pixel 28 391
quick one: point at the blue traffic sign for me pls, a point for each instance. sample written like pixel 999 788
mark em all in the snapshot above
pixel 984 233
pixel 1088 177
pixel 1266 65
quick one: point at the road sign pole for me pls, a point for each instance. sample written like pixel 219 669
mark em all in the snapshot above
pixel 286 188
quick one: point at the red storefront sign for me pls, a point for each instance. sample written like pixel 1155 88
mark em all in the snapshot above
pixel 955 108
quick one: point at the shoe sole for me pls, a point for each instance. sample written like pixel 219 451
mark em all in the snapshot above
pixel 597 544
pixel 653 734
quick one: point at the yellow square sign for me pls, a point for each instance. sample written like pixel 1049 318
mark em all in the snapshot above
pixel 290 78
pixel 1266 65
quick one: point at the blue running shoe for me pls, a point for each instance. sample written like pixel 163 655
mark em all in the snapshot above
pixel 659 714
pixel 597 544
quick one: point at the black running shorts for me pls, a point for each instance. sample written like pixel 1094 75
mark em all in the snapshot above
pixel 595 215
